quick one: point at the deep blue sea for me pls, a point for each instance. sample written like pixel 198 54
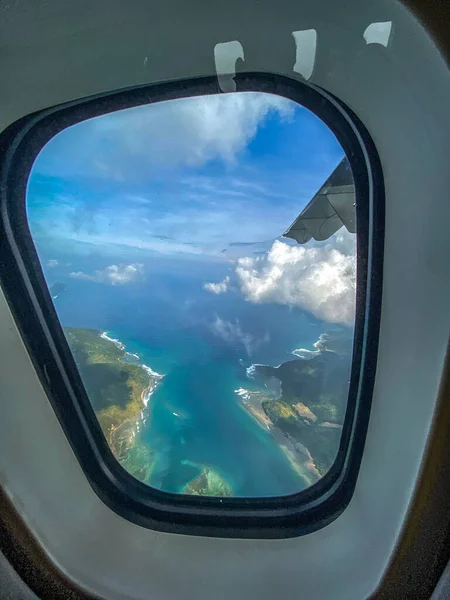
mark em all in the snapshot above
pixel 202 343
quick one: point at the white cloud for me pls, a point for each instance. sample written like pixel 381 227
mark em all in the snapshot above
pixel 233 334
pixel 114 274
pixel 52 263
pixel 188 131
pixel 218 288
pixel 320 279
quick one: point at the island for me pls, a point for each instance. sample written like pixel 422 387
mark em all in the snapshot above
pixel 302 404
pixel 119 388
pixel 208 483
pixel 57 289
pixel 118 391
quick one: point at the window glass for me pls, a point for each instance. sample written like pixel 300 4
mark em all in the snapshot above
pixel 200 254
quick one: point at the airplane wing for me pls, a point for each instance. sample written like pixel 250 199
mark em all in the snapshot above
pixel 332 207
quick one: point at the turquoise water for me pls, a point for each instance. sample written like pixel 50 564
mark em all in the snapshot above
pixel 194 418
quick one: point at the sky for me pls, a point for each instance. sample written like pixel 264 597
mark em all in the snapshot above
pixel 215 178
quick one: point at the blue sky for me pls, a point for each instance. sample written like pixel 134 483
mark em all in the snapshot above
pixel 186 176
pixel 216 178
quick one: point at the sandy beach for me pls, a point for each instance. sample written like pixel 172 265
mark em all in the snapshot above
pixel 297 454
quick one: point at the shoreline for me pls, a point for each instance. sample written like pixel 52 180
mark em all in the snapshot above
pixel 153 374
pixel 124 437
pixel 115 437
pixel 120 440
pixel 306 426
pixel 297 454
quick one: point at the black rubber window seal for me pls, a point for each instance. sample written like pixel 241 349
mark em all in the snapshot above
pixel 26 291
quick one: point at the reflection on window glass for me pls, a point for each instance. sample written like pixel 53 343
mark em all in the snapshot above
pixel 200 254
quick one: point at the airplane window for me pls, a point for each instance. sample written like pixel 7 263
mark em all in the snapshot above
pixel 201 258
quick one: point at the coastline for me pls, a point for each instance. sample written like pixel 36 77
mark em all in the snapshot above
pixel 297 454
pixel 304 413
pixel 304 452
pixel 153 374
pixel 133 421
pixel 318 346
pixel 122 437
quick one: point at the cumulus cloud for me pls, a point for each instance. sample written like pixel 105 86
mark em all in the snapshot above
pixel 218 288
pixel 232 333
pixel 187 132
pixel 193 130
pixel 320 279
pixel 114 274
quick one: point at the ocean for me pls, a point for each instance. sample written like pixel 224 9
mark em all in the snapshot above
pixel 203 344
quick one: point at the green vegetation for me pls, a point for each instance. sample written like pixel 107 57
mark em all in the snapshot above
pixel 116 390
pixel 310 409
pixel 208 483
pixel 280 412
pixel 319 384
pixel 327 412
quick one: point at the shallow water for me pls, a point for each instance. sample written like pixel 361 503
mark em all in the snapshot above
pixel 194 417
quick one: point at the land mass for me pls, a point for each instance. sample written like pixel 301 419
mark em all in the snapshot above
pixel 118 392
pixel 208 483
pixel 57 289
pixel 302 405
pixel 307 416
